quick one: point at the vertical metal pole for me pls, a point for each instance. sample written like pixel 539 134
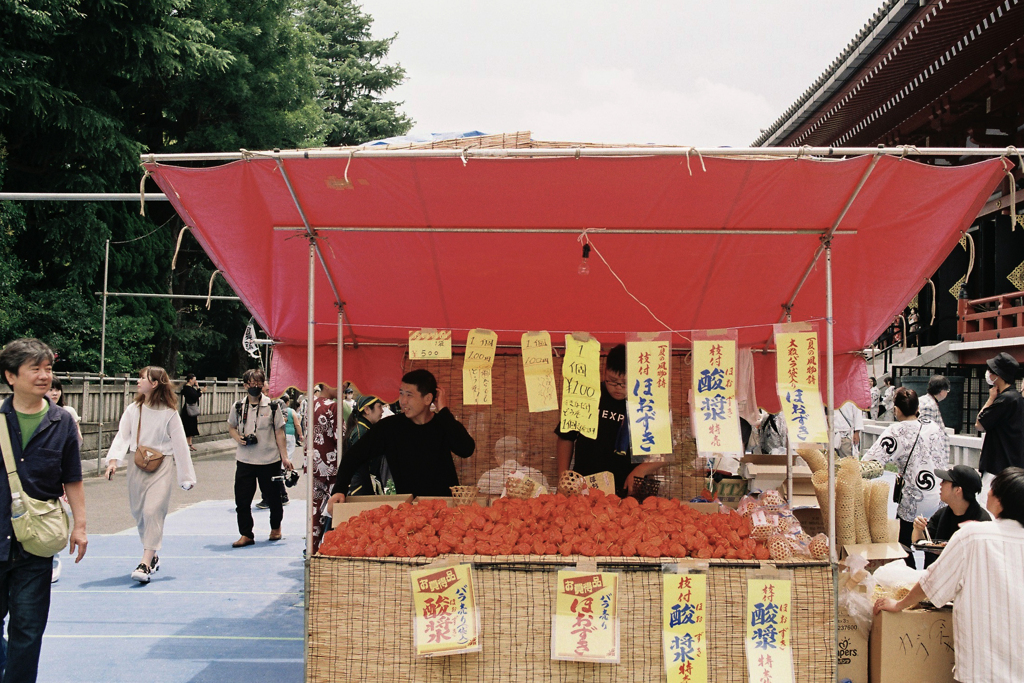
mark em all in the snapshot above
pixel 789 446
pixel 341 350
pixel 311 315
pixel 830 352
pixel 103 357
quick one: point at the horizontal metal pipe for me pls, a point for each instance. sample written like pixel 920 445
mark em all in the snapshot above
pixel 471 152
pixel 80 197
pixel 146 295
pixel 571 231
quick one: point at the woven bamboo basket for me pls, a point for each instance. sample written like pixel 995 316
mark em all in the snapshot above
pixel 464 495
pixel 520 488
pixel 571 483
pixel 361 613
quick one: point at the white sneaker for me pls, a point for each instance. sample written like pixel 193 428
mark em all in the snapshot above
pixel 154 564
pixel 142 573
pixel 55 576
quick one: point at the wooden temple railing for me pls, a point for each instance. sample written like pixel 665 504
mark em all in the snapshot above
pixel 994 317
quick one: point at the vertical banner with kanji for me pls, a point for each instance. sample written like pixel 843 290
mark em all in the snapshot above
pixel 647 373
pixel 768 646
pixel 716 413
pixel 428 344
pixel 796 358
pixel 539 372
pixel 445 620
pixel 476 367
pixel 581 386
pixel 585 626
pixel 684 627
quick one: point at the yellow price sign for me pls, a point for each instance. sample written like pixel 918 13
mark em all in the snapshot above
pixel 586 623
pixel 581 386
pixel 768 643
pixel 716 413
pixel 476 367
pixel 647 372
pixel 539 372
pixel 684 627
pixel 798 370
pixel 430 344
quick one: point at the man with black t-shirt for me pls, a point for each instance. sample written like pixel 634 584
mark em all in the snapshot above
pixel 589 456
pixel 959 488
pixel 1002 421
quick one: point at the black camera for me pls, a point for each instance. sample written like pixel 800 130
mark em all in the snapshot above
pixel 290 478
pixel 250 440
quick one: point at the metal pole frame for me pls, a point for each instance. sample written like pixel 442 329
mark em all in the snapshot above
pixel 103 357
pixel 310 309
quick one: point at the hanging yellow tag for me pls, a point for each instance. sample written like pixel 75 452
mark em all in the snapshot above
pixel 647 372
pixel 716 415
pixel 798 370
pixel 581 386
pixel 427 344
pixel 445 620
pixel 586 623
pixel 768 645
pixel 684 627
pixel 476 368
pixel 539 372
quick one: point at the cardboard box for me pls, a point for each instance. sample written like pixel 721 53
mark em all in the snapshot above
pixel 345 511
pixel 914 646
pixel 810 520
pixel 852 650
pixel 769 471
pixel 730 491
pixel 706 508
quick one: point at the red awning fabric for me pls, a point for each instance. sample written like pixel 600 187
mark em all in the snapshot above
pixel 906 219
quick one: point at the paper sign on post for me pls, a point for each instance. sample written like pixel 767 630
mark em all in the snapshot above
pixel 476 368
pixel 684 627
pixel 430 344
pixel 717 422
pixel 539 372
pixel 797 367
pixel 581 386
pixel 768 646
pixel 585 626
pixel 647 364
pixel 445 620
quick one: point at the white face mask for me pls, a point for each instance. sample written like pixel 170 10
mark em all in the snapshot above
pixel 990 378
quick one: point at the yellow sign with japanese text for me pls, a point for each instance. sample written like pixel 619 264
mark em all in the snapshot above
pixel 647 372
pixel 581 386
pixel 476 367
pixel 769 647
pixel 585 626
pixel 430 344
pixel 445 620
pixel 716 413
pixel 796 357
pixel 684 627
pixel 539 372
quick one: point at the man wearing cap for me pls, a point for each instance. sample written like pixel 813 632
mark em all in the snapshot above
pixel 959 489
pixel 1002 421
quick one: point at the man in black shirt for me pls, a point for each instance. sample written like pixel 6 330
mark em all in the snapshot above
pixel 417 444
pixel 959 488
pixel 1002 420
pixel 590 456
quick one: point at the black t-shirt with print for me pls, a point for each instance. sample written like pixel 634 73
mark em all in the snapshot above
pixel 598 455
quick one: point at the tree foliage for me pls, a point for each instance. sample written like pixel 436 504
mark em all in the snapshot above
pixel 86 86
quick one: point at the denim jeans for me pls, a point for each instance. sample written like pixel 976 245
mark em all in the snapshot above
pixel 25 601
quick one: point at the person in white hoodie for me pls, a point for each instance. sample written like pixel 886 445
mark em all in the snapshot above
pixel 152 420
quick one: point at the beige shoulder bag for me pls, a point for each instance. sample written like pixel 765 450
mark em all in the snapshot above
pixel 146 459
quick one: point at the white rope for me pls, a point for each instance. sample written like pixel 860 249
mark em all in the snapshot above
pixel 933 303
pixel 690 150
pixel 177 247
pixel 142 193
pixel 209 293
pixel 347 164
pixel 970 261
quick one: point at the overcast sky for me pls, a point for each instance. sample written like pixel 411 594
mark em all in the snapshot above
pixel 685 72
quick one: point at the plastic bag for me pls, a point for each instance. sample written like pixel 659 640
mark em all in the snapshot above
pixel 856 592
pixel 894 580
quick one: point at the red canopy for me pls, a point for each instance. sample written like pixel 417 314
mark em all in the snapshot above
pixel 523 276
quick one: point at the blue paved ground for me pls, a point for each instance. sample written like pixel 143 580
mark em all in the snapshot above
pixel 212 613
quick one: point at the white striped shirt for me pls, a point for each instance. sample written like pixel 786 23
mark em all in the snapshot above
pixel 982 568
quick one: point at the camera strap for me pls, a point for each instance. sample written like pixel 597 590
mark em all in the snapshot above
pixel 243 416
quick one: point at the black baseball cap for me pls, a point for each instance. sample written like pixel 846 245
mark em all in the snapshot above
pixel 1004 365
pixel 963 476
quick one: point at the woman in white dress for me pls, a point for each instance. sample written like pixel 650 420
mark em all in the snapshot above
pixel 918 447
pixel 152 420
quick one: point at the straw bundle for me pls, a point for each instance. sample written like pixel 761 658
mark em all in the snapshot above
pixel 878 511
pixel 571 483
pixel 520 488
pixel 850 469
pixel 464 495
pixel 814 458
pixel 871 469
pixel 847 493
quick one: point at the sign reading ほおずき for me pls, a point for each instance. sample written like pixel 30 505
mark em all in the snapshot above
pixel 684 627
pixel 539 372
pixel 581 386
pixel 585 627
pixel 476 367
pixel 445 620
pixel 647 395
pixel 716 412
pixel 768 644
pixel 430 344
pixel 797 368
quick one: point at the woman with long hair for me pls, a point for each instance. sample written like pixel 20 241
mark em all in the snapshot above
pixel 918 447
pixel 152 420
pixel 56 394
pixel 190 393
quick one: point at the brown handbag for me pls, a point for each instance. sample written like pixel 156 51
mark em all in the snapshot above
pixel 146 459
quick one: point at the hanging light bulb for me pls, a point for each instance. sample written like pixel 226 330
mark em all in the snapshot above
pixel 584 268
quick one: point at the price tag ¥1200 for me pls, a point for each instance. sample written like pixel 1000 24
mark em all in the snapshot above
pixel 430 344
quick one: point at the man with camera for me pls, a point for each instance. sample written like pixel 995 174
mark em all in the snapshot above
pixel 257 424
